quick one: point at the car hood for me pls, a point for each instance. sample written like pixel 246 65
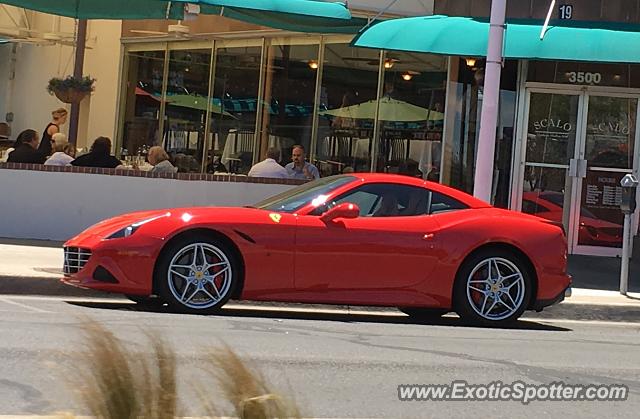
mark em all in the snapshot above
pixel 176 217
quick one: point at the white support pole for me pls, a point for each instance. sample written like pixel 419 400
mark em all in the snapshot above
pixel 491 95
pixel 624 269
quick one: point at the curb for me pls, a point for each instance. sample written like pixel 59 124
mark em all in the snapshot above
pixel 578 309
pixel 45 286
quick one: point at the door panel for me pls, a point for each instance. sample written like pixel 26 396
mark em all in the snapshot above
pixel 577 147
pixel 364 254
pixel 608 150
pixel 552 132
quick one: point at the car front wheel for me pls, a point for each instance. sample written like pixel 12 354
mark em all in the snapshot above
pixel 197 274
pixel 493 288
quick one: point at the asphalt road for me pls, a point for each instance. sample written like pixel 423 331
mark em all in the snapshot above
pixel 335 365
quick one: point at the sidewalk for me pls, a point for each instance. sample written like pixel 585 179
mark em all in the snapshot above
pixel 34 268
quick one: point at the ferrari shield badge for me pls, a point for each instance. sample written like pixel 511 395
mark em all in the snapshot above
pixel 275 217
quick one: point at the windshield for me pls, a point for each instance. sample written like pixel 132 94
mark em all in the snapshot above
pixel 296 198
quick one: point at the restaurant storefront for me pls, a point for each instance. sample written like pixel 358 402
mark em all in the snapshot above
pixel 566 129
pixel 218 104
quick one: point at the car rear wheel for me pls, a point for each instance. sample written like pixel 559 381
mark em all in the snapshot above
pixel 421 313
pixel 493 288
pixel 197 274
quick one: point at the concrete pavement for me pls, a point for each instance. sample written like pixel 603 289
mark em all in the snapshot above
pixel 30 267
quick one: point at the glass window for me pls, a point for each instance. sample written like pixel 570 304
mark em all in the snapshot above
pixel 294 199
pixel 411 114
pixel 237 77
pixel 143 96
pixel 391 200
pixel 444 203
pixel 346 108
pixel 186 107
pixel 289 91
pixel 464 102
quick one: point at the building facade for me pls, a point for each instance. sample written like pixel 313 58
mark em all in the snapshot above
pixel 217 93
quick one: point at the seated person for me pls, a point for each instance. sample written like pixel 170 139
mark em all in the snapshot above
pixel 388 207
pixel 159 159
pixel 99 156
pixel 417 204
pixel 63 153
pixel 26 149
pixel 269 167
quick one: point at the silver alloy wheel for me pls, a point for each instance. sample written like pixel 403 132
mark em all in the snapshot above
pixel 199 275
pixel 495 288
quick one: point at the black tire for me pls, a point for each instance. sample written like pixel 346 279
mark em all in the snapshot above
pixel 424 314
pixel 212 296
pixel 469 303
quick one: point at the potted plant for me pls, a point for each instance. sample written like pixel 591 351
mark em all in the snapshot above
pixel 71 89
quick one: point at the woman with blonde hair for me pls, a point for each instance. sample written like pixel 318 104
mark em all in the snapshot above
pixel 159 159
pixel 58 117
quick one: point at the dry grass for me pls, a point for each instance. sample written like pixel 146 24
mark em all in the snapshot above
pixel 247 390
pixel 116 383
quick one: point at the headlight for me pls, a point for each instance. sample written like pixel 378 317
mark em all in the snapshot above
pixel 124 232
pixel 130 229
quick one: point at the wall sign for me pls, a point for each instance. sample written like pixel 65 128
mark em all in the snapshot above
pixel 565 11
pixel 584 77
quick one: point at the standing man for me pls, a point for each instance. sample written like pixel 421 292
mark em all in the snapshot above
pixel 269 167
pixel 299 168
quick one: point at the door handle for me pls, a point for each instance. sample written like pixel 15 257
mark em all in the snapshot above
pixel 582 168
pixel 578 168
pixel 573 167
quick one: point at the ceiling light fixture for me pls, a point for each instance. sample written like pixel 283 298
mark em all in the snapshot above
pixel 470 61
pixel 389 63
pixel 313 64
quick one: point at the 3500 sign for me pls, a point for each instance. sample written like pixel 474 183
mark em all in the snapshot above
pixel 583 77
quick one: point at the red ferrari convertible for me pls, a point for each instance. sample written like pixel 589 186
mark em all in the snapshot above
pixel 362 239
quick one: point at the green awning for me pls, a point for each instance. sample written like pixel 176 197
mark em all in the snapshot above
pixel 102 9
pixel 312 8
pixel 296 15
pixel 288 21
pixel 451 35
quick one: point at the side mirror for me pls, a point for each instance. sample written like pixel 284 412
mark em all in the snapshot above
pixel 344 210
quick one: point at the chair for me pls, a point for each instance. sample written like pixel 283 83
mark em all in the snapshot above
pixel 396 154
pixel 242 157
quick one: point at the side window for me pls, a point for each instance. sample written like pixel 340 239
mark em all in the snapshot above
pixel 442 203
pixel 387 200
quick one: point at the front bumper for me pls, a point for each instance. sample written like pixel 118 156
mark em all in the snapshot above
pixel 117 266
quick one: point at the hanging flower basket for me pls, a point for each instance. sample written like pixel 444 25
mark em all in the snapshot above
pixel 71 89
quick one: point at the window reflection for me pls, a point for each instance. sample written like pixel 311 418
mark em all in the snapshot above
pixel 186 108
pixel 346 109
pixel 143 97
pixel 235 92
pixel 411 114
pixel 290 80
pixel 464 101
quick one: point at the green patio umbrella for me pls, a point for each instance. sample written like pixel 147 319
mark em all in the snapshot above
pixel 299 15
pixel 390 110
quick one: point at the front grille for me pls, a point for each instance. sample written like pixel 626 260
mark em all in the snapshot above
pixel 74 259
